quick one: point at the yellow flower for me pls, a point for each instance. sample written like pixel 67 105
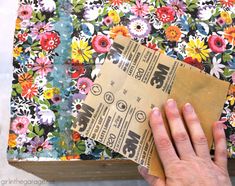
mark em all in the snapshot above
pixel 12 140
pixel 17 51
pixel 197 50
pixel 41 55
pixel 229 21
pixel 18 26
pixel 63 158
pixel 151 8
pixel 224 15
pixel 231 98
pixel 81 52
pixel 56 91
pixel 48 94
pixel 114 16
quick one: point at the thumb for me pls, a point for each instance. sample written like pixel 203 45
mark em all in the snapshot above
pixel 152 180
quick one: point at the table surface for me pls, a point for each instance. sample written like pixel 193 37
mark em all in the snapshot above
pixel 8 174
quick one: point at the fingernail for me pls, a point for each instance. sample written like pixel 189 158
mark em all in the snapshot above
pixel 188 107
pixel 171 103
pixel 156 111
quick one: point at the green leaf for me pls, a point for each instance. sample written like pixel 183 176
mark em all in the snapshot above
pixel 104 27
pixel 227 72
pixel 36 129
pixel 31 135
pixel 41 132
pixel 49 85
pixel 18 89
pixel 23 149
pixel 13 93
pixel 45 102
pixel 226 57
pixel 30 127
pixel 35 44
pixel 81 147
pixel 108 151
pixel 121 14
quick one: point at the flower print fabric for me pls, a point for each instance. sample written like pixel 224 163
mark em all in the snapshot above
pixel 60 46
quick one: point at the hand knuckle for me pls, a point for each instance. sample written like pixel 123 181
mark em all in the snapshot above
pixel 180 137
pixel 200 140
pixel 223 153
pixel 164 143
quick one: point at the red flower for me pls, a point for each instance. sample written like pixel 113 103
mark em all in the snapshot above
pixel 216 44
pixel 23 37
pixel 76 136
pixel 227 3
pixel 49 41
pixel 152 46
pixel 193 62
pixel 165 14
pixel 77 70
pixel 29 91
pixel 101 43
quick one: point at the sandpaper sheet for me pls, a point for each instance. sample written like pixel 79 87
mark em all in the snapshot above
pixel 133 80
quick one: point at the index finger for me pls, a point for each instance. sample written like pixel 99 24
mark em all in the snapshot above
pixel 165 149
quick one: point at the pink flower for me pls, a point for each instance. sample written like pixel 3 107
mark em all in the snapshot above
pixel 25 12
pixel 216 44
pixel 108 21
pixel 42 66
pixel 41 28
pixel 84 85
pixel 20 125
pixel 37 145
pixel 140 9
pixel 101 43
pixel 220 21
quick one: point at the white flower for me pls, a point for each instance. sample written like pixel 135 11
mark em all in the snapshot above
pixel 139 28
pixel 206 12
pixel 181 48
pixel 125 7
pixel 90 145
pixel 25 23
pixel 21 140
pixel 45 115
pixel 217 67
pixel 48 5
pixel 91 13
pixel 40 81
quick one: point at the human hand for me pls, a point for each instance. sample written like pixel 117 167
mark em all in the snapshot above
pixel 186 158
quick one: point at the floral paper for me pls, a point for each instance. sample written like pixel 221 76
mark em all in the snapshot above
pixel 59 47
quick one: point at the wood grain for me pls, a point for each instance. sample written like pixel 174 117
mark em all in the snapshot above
pixel 80 170
pixel 87 169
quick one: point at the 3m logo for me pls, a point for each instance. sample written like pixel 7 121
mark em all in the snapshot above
pixel 84 117
pixel 131 143
pixel 115 53
pixel 159 75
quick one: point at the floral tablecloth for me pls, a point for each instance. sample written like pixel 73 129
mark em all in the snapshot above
pixel 60 45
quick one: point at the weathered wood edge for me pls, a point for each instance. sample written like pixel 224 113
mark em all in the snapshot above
pixel 80 170
pixel 87 169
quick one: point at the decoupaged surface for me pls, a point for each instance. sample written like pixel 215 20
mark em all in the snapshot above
pixel 59 47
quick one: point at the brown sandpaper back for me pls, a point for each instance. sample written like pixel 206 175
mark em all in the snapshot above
pixel 205 93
